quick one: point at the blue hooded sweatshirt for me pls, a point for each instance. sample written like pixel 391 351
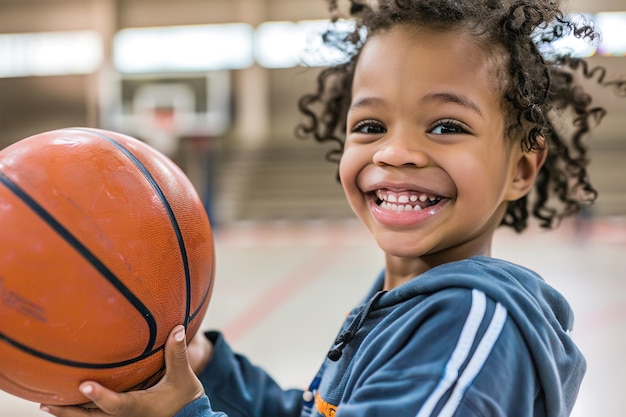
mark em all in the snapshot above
pixel 479 337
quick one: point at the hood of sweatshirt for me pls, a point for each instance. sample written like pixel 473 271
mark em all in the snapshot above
pixel 542 314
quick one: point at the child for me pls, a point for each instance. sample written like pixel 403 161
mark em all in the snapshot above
pixel 447 115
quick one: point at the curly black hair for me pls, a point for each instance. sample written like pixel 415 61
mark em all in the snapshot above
pixel 540 86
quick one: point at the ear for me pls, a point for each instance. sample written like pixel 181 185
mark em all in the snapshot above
pixel 525 171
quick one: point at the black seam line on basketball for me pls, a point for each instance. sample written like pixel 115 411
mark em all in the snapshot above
pixel 149 381
pixel 77 364
pixel 86 254
pixel 205 297
pixel 170 212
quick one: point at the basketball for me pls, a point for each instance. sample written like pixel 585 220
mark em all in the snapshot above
pixel 105 246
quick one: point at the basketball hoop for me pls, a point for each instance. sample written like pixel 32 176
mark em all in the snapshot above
pixel 163 113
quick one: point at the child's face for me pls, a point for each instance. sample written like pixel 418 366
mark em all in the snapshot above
pixel 426 123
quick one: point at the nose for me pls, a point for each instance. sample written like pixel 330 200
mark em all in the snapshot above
pixel 401 151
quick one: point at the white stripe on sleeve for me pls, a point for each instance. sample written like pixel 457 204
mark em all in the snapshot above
pixel 477 361
pixel 460 353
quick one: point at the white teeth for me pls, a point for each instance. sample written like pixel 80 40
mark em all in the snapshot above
pixel 400 203
pixel 399 207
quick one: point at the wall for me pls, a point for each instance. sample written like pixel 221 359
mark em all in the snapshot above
pixel 263 100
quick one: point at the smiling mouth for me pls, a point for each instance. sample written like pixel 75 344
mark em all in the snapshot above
pixel 405 201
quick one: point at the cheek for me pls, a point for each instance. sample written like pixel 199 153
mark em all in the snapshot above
pixel 348 168
pixel 479 178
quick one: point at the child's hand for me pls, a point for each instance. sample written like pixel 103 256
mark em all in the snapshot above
pixel 199 352
pixel 176 389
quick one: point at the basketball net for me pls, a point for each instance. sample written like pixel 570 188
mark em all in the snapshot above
pixel 161 127
pixel 164 118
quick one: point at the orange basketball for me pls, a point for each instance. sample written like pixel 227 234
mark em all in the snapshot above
pixel 105 247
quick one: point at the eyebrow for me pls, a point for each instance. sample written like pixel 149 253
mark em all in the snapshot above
pixel 445 97
pixel 366 101
pixel 456 99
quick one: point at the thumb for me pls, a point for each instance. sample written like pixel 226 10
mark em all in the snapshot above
pixel 176 361
pixel 178 372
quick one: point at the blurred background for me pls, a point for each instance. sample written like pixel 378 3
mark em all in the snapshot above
pixel 214 85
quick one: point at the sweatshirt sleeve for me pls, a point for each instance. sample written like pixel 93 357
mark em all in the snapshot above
pixel 460 354
pixel 199 408
pixel 238 388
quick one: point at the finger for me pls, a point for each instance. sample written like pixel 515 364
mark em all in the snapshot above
pixel 176 362
pixel 103 398
pixel 199 353
pixel 64 411
pixel 91 390
pixel 178 373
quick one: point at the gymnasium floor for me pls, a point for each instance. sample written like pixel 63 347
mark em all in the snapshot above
pixel 283 289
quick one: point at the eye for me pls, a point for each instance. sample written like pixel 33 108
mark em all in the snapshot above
pixel 370 126
pixel 449 127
